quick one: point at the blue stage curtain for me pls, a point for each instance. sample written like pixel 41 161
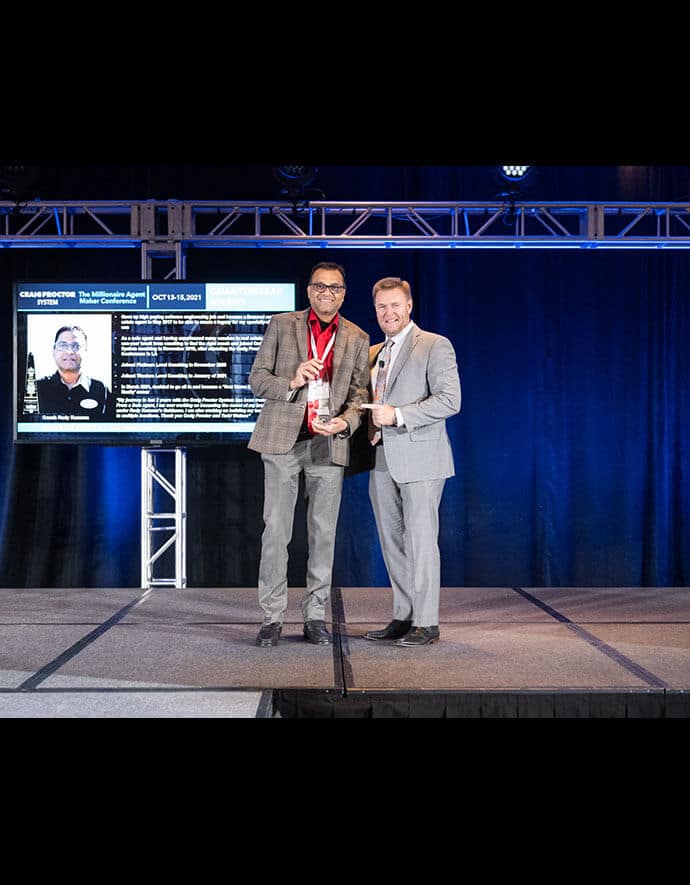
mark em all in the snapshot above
pixel 572 448
pixel 573 444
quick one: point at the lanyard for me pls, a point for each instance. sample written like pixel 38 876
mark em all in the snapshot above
pixel 327 349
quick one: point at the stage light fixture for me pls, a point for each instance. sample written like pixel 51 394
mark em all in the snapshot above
pixel 17 182
pixel 515 173
pixel 294 180
pixel 517 178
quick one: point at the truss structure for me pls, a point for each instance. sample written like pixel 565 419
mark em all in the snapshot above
pixel 168 228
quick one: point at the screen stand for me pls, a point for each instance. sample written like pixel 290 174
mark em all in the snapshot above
pixel 153 483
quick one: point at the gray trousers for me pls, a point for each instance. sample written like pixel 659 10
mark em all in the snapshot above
pixel 323 489
pixel 407 522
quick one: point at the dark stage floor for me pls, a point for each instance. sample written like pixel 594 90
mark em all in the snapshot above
pixel 504 652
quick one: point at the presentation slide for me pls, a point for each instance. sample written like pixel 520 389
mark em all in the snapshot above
pixel 139 362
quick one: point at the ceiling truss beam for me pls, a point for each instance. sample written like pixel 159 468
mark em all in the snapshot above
pixel 158 224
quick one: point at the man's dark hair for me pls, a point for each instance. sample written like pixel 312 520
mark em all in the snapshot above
pixel 70 329
pixel 327 265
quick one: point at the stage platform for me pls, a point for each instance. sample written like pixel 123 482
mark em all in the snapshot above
pixel 505 652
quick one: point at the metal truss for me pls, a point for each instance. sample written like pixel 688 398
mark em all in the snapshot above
pixel 168 228
pixel 165 229
pixel 154 463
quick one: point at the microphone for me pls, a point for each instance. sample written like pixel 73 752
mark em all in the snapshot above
pixel 389 344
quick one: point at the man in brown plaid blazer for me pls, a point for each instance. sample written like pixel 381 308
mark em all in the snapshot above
pixel 300 351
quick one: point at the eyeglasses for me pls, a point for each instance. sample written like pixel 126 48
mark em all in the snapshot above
pixel 74 346
pixel 336 288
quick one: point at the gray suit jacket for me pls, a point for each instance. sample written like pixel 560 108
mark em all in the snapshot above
pixel 283 348
pixel 425 385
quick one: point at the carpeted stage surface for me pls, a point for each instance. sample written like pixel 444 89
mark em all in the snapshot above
pixel 505 652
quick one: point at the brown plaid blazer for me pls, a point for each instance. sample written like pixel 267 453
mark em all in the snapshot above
pixel 283 348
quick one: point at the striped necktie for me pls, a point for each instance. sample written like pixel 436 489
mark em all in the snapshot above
pixel 384 359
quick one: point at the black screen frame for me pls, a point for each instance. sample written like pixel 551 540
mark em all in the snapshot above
pixel 276 297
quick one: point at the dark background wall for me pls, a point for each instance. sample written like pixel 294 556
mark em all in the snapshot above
pixel 572 447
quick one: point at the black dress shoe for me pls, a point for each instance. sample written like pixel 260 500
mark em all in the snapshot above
pixel 394 630
pixel 316 632
pixel 420 636
pixel 269 635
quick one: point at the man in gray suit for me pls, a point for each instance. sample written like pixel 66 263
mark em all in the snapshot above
pixel 417 386
pixel 313 369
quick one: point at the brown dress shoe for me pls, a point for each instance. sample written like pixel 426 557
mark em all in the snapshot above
pixel 394 630
pixel 420 636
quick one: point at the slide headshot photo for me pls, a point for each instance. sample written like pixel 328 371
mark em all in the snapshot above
pixel 73 364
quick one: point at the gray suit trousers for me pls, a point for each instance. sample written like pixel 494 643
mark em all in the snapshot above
pixel 408 524
pixel 323 489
